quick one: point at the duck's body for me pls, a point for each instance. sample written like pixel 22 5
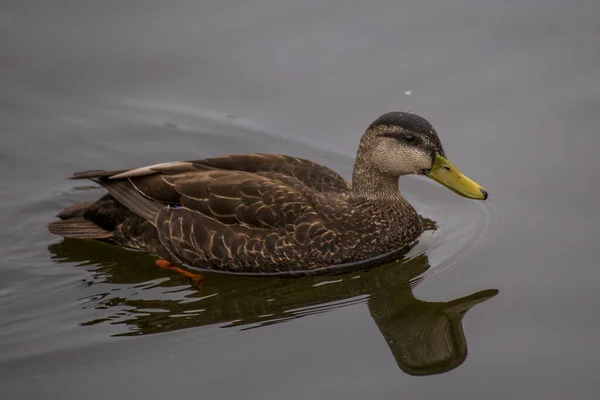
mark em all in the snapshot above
pixel 262 213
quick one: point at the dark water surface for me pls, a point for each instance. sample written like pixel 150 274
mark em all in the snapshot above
pixel 512 87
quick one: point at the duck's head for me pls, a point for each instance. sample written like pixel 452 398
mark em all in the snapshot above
pixel 400 143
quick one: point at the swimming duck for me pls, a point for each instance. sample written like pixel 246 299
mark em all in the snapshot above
pixel 271 213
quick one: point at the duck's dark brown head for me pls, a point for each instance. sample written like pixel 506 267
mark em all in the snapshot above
pixel 402 143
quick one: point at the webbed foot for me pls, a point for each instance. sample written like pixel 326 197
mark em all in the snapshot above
pixel 197 280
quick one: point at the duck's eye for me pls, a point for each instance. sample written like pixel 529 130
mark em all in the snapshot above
pixel 409 138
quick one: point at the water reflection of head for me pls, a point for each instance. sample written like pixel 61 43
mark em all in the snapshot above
pixel 425 338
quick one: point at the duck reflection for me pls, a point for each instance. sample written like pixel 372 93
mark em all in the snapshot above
pixel 424 337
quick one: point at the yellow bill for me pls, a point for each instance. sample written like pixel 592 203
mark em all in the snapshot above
pixel 444 172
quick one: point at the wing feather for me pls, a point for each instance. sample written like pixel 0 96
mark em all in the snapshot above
pixel 256 211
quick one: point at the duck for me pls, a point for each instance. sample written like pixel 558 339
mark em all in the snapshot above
pixel 271 214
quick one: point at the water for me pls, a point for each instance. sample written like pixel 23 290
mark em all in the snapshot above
pixel 497 304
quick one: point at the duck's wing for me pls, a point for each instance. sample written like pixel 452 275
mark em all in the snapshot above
pixel 260 200
pixel 253 200
pixel 312 175
pixel 232 220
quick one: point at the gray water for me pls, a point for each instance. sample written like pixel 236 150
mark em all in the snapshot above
pixel 513 89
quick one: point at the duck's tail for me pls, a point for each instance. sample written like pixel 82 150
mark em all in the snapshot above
pixel 73 225
pixel 78 228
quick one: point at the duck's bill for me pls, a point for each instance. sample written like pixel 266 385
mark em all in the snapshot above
pixel 444 172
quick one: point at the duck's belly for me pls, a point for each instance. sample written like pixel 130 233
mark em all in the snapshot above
pixel 354 250
pixel 357 252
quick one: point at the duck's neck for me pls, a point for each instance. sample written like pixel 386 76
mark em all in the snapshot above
pixel 386 217
pixel 371 185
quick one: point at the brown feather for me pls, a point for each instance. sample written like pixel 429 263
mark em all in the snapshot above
pixel 78 228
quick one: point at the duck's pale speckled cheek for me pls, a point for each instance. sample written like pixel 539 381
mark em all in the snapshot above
pixel 397 159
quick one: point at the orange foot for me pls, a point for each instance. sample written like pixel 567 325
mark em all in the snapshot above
pixel 197 279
